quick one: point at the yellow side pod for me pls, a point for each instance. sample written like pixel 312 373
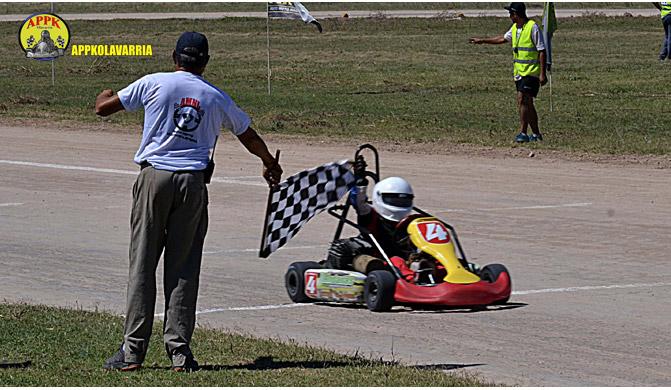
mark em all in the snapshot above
pixel 432 237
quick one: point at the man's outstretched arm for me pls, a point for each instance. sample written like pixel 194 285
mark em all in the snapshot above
pixel 107 103
pixel 497 40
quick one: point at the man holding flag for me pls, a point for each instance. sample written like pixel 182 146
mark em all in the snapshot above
pixel 183 117
pixel 529 66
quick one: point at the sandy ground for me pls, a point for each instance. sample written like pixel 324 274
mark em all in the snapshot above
pixel 587 244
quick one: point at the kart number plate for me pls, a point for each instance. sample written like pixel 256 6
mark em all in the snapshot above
pixel 434 232
pixel 311 283
pixel 334 285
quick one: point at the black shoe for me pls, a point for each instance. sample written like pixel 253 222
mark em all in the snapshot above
pixel 521 138
pixel 118 362
pixel 190 364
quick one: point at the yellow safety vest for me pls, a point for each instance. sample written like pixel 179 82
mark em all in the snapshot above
pixel 666 8
pixel 526 60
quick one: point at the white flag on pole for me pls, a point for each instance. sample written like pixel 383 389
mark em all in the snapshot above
pixel 291 10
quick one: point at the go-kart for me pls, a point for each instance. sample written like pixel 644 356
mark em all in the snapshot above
pixel 436 273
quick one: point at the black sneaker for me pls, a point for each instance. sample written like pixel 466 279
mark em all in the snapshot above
pixel 521 138
pixel 118 362
pixel 190 364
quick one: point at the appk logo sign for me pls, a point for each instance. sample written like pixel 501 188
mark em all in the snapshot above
pixel 44 36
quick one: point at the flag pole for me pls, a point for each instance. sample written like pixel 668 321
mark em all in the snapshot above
pixel 550 81
pixel 262 253
pixel 268 44
pixel 53 67
pixel 549 26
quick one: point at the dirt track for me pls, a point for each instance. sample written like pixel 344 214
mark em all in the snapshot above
pixel 605 228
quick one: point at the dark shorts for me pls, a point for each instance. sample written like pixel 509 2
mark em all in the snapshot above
pixel 528 85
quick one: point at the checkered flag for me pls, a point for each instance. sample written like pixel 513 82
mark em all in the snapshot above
pixel 299 198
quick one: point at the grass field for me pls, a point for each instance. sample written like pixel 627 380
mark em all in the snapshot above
pixel 405 80
pixel 26 8
pixel 68 347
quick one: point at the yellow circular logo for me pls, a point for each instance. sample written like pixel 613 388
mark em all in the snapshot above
pixel 44 36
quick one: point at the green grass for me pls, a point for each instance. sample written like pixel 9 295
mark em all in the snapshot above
pixel 68 347
pixel 27 8
pixel 404 80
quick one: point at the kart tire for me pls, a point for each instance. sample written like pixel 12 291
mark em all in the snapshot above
pixel 491 272
pixel 378 290
pixel 294 280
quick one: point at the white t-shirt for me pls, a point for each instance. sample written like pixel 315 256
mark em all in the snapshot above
pixel 183 115
pixel 536 36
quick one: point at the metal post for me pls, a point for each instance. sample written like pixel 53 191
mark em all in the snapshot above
pixel 53 66
pixel 268 44
pixel 550 81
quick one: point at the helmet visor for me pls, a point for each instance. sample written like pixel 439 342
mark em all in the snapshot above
pixel 398 200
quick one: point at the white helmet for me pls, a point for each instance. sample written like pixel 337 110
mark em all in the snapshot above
pixel 392 198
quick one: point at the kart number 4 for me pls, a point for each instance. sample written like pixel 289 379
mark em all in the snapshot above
pixel 311 283
pixel 434 233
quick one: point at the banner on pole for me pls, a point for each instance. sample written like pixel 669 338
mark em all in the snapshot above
pixel 291 10
pixel 299 198
pixel 549 27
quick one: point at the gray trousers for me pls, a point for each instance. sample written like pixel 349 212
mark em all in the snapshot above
pixel 169 215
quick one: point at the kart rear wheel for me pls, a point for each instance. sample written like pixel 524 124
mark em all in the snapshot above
pixel 294 280
pixel 378 291
pixel 491 272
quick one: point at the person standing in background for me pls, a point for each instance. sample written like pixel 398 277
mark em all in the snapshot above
pixel 528 66
pixel 665 10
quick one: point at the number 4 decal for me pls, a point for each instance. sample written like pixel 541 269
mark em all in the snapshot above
pixel 311 283
pixel 434 233
pixel 433 230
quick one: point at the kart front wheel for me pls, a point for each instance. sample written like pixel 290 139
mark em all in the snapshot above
pixel 491 272
pixel 294 280
pixel 378 291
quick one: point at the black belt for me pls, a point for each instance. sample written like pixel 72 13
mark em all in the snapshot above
pixel 145 164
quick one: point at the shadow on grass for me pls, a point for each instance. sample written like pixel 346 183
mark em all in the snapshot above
pixel 24 364
pixel 445 366
pixel 264 363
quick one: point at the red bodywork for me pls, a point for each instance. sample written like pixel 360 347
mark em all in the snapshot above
pixel 449 294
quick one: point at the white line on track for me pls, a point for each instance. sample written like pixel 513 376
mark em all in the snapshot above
pixel 247 308
pixel 584 288
pixel 10 204
pixel 538 207
pixel 227 180
pixel 524 292
pixel 255 181
pixel 211 252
